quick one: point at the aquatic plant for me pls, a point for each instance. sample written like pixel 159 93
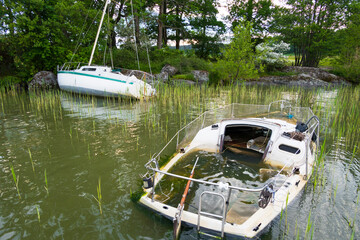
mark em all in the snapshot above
pixel 38 213
pixel 308 226
pixel 31 160
pixel 16 180
pixel 99 196
pixel 46 183
pixel 136 195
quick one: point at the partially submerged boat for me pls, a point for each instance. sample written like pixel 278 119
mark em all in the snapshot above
pixel 103 80
pixel 247 162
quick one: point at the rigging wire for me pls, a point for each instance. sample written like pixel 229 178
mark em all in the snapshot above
pixel 110 40
pixel 78 43
pixel 147 53
pixel 137 54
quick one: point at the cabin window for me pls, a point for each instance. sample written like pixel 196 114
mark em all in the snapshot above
pixel 289 149
pixel 89 69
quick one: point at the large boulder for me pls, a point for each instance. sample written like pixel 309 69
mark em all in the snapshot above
pixel 317 73
pixel 200 75
pixel 170 70
pixel 163 76
pixel 44 80
pixel 302 77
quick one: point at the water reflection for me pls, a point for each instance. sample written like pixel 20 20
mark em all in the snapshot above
pixel 103 108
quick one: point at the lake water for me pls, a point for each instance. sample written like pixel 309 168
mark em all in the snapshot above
pixel 60 146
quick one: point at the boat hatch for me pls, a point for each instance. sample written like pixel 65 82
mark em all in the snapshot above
pixel 246 140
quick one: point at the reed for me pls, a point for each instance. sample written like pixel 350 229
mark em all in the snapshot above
pixel 46 183
pixel 16 180
pixel 89 156
pixel 308 226
pixel 99 196
pixel 38 213
pixel 31 160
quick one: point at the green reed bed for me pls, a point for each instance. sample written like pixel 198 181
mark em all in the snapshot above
pixel 172 108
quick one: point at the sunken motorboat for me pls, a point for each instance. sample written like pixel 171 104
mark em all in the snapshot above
pixel 241 166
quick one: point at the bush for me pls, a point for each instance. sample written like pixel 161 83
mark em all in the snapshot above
pixel 9 80
pixel 272 55
pixel 239 60
pixel 185 76
pixel 183 61
pixel 214 77
pixel 350 72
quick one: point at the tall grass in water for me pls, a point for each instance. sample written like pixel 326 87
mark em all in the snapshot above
pixel 46 183
pixel 308 227
pixel 99 196
pixel 38 213
pixel 31 160
pixel 16 180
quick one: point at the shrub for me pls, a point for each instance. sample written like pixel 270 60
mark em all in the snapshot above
pixel 272 55
pixel 239 62
pixel 183 61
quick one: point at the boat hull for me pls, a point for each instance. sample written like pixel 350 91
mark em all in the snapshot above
pixel 292 171
pixel 107 84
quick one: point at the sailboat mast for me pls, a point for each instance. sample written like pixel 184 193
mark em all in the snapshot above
pixel 98 32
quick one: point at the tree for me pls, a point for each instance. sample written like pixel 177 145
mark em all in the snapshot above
pixel 309 27
pixel 348 62
pixel 240 62
pixel 178 9
pixel 205 28
pixel 42 34
pixel 257 12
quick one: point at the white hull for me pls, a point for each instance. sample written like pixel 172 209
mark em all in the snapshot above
pixel 103 82
pixel 294 156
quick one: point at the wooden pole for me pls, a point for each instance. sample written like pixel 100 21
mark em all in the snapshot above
pixel 180 208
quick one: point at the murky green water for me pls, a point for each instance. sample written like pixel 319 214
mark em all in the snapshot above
pixel 78 140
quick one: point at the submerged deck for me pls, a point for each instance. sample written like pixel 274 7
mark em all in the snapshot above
pixel 244 170
pixel 249 168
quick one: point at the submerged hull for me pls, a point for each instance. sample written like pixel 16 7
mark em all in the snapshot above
pixel 285 163
pixel 250 228
pixel 104 84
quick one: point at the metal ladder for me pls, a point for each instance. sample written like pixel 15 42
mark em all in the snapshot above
pixel 220 217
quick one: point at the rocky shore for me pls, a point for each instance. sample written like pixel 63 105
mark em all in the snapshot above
pixel 293 76
pixel 302 77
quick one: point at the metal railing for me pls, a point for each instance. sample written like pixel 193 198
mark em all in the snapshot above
pixel 140 75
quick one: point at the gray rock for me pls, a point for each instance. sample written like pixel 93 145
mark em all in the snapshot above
pixel 169 69
pixel 304 77
pixel 200 75
pixel 317 73
pixel 43 80
pixel 163 76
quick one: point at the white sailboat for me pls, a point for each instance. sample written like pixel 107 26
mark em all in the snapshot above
pixel 103 80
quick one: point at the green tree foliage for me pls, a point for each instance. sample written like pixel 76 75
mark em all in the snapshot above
pixel 176 22
pixel 239 62
pixel 348 62
pixel 42 34
pixel 258 12
pixel 309 26
pixel 205 28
